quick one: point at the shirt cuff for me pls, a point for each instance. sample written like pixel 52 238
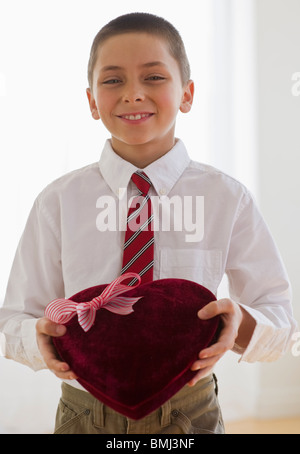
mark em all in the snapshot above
pixel 259 347
pixel 30 346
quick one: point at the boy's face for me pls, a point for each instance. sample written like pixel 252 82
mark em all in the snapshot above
pixel 137 92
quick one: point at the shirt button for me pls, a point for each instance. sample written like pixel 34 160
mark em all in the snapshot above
pixel 163 191
pixel 175 413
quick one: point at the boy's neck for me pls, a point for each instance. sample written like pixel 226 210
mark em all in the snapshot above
pixel 142 155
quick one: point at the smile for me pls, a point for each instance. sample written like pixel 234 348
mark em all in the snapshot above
pixel 136 117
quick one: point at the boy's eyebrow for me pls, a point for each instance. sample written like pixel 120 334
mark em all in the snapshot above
pixel 144 65
pixel 153 63
pixel 110 68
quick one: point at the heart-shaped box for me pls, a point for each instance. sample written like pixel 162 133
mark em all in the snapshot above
pixel 136 363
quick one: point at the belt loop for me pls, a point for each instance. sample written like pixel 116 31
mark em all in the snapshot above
pixel 166 414
pixel 99 420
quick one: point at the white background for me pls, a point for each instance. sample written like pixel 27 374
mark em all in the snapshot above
pixel 245 121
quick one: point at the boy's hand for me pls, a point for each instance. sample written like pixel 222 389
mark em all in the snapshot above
pixel 237 326
pixel 45 329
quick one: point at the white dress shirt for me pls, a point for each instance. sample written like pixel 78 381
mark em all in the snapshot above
pixel 70 243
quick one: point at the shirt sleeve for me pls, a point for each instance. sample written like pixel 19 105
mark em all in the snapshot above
pixel 258 281
pixel 35 280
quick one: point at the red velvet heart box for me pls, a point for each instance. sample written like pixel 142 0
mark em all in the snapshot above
pixel 135 363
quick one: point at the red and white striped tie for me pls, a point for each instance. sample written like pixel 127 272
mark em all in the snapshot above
pixel 139 237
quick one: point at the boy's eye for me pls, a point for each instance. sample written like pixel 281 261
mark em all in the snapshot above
pixel 111 81
pixel 156 78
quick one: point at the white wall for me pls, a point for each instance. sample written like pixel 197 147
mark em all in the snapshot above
pixel 270 390
pixel 278 40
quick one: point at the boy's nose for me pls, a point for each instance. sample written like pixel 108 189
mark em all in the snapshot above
pixel 133 94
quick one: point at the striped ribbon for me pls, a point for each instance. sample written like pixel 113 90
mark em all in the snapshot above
pixel 62 310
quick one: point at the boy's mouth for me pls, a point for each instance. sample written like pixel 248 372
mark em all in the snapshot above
pixel 136 116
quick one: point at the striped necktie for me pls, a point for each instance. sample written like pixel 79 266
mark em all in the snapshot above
pixel 139 237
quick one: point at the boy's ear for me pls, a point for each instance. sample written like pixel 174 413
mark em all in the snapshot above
pixel 187 98
pixel 92 103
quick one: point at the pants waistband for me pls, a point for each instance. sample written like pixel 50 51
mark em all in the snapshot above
pixel 86 400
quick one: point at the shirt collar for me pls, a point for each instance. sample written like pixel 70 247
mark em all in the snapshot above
pixel 163 173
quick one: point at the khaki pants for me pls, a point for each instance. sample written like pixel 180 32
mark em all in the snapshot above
pixel 193 410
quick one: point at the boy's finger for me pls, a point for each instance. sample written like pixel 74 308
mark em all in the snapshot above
pixel 208 311
pixel 46 326
pixel 214 308
pixel 61 370
pixel 224 343
pixel 216 349
pixel 208 362
pixel 202 373
pixel 58 367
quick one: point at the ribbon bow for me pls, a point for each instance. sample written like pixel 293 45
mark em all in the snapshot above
pixel 63 310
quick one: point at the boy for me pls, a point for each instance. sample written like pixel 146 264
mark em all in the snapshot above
pixel 139 78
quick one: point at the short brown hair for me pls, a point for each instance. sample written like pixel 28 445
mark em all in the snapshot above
pixel 147 23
